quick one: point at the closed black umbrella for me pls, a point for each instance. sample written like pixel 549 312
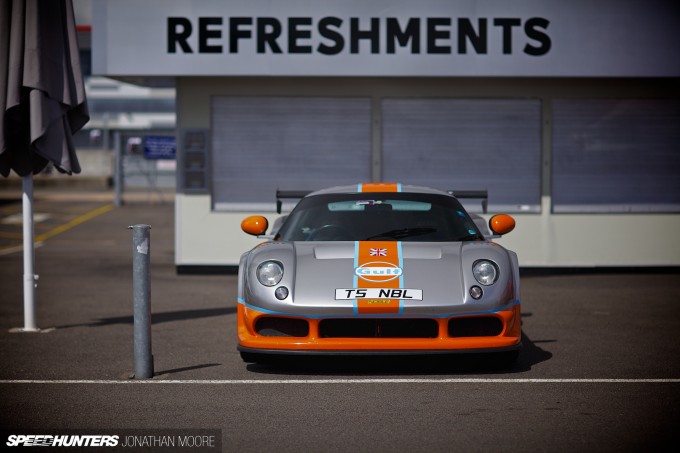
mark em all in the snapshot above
pixel 42 103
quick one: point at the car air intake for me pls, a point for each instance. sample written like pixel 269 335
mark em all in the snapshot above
pixel 281 327
pixel 378 328
pixel 481 326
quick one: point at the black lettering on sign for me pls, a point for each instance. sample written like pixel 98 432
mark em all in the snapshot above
pixel 478 39
pixel 268 31
pixel 396 35
pixel 440 35
pixel 236 32
pixel 506 25
pixel 332 34
pixel 296 33
pixel 205 33
pixel 435 33
pixel 372 34
pixel 535 29
pixel 179 30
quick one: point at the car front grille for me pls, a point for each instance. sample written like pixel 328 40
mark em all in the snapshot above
pixel 480 326
pixel 378 328
pixel 281 327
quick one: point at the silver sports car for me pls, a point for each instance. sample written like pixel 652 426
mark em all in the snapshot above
pixel 378 268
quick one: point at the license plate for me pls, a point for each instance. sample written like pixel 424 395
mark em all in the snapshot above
pixel 378 293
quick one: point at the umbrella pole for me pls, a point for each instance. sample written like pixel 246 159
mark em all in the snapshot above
pixel 29 256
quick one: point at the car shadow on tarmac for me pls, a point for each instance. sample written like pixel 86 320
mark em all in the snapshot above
pixel 389 365
pixel 157 318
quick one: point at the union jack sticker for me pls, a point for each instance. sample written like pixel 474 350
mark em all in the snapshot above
pixel 377 252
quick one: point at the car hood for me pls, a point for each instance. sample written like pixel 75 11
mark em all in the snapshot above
pixel 431 267
pixel 442 271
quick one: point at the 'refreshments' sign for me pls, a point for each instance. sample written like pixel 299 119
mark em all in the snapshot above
pixel 432 35
pixel 534 38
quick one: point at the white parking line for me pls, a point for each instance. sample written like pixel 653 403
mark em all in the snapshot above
pixel 345 381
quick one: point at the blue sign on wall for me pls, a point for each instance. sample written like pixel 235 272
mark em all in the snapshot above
pixel 160 147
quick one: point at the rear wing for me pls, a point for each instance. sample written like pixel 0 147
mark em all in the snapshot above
pixel 298 194
pixel 474 194
pixel 289 195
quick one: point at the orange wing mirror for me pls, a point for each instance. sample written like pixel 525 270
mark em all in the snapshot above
pixel 255 225
pixel 502 224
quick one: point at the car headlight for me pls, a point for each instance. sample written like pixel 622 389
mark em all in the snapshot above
pixel 270 273
pixel 485 272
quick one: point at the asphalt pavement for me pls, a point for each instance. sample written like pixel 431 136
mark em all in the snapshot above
pixel 84 290
pixel 600 370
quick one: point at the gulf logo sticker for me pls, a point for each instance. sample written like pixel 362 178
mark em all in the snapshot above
pixel 378 271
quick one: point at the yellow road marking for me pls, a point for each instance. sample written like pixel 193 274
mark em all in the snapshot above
pixel 58 230
pixel 75 222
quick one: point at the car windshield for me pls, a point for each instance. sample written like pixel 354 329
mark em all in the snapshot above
pixel 378 216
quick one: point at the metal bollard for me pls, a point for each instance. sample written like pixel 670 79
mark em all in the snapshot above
pixel 141 289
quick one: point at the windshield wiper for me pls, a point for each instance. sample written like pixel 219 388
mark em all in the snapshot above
pixel 469 237
pixel 402 233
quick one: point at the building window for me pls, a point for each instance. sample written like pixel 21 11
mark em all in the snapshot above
pixel 466 144
pixel 261 144
pixel 616 155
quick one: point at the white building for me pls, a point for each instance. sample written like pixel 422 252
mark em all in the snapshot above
pixel 567 112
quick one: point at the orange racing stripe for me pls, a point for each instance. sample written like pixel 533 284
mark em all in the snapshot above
pixel 380 187
pixel 378 265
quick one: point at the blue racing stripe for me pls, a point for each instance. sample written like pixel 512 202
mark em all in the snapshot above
pixel 401 266
pixel 355 279
pixel 447 315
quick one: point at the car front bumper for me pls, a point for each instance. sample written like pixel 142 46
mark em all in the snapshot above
pixel 266 333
